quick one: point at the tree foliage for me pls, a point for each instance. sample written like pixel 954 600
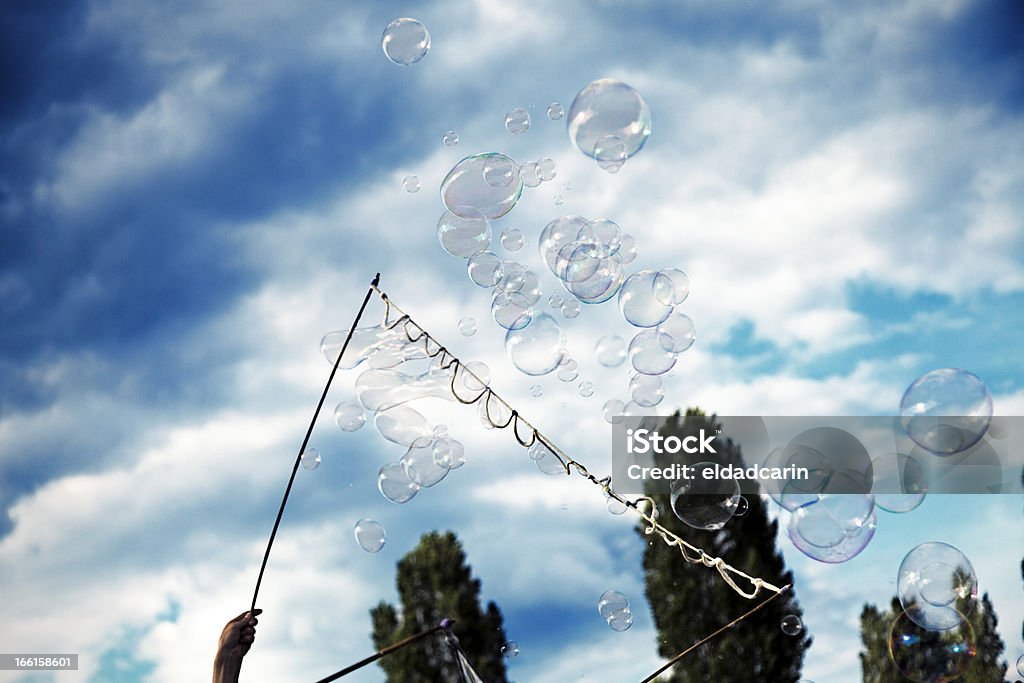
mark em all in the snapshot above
pixel 689 602
pixel 434 582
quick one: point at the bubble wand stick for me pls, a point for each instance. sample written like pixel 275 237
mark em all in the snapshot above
pixel 309 432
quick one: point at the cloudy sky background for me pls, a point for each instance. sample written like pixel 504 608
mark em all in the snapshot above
pixel 192 194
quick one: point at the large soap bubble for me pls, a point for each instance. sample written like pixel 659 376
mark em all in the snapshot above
pixel 946 411
pixel 704 501
pixel 937 586
pixel 538 348
pixel 929 656
pixel 838 528
pixel 647 353
pixel 405 41
pixel 488 183
pixel 609 109
pixel 464 235
pixel 394 483
pixel 677 332
pixel 638 302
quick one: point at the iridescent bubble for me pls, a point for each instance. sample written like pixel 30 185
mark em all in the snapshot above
pixel 610 153
pixel 810 519
pixel 671 286
pixel 611 350
pixel 555 111
pixel 946 411
pixel 791 625
pixel 310 459
pixel 555 301
pixel 602 237
pixel 556 235
pixel 704 501
pixel 586 389
pixel 395 485
pixel 510 649
pixel 411 184
pixel 537 348
pixel 828 521
pixel 512 311
pixel 571 309
pixel 606 108
pixel 530 174
pixel 512 239
pixel 517 121
pixel 464 235
pixel 677 332
pixel 628 249
pixel 937 586
pixel 423 466
pixel 450 139
pixel 647 353
pixel 485 269
pixel 637 302
pixel 536 391
pixel 370 535
pixel 930 656
pixel 467 327
pixel 612 411
pixel 546 169
pixel 646 390
pixel 899 482
pixel 475 186
pixel 349 416
pixel 405 41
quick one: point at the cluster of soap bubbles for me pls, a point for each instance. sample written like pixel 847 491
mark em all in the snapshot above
pixel 932 640
pixel 614 607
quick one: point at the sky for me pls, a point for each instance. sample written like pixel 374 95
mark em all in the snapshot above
pixel 192 194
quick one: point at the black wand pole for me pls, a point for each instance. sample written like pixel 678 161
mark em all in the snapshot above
pixel 309 432
pixel 445 623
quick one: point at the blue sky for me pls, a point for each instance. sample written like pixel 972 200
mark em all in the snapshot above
pixel 192 194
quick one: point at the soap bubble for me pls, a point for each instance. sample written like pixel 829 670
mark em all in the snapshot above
pixel 611 350
pixel 513 311
pixel 704 503
pixel 605 108
pixel 467 327
pixel 571 309
pixel 612 411
pixel 574 262
pixel 614 607
pixel 537 450
pixel 349 416
pixel 456 454
pixel 450 139
pixel 512 239
pixel 929 656
pixel 1020 665
pixel 394 483
pixel 370 535
pixel 310 459
pixel 402 425
pixel 494 412
pixel 464 235
pixel 488 184
pixel 671 286
pixel 558 200
pixel 556 301
pixel 621 621
pixel 556 235
pixel 568 373
pixel 513 276
pixel 555 111
pixel 899 483
pixel 586 389
pixel 677 333
pixel 546 169
pixel 517 121
pixel 536 349
pixel 937 586
pixel 647 353
pixel 411 184
pixel 421 465
pixel 946 411
pixel 475 375
pixel 628 249
pixel 616 506
pixel 485 269
pixel 742 506
pixel 638 303
pixel 510 649
pixel 440 431
pixel 610 153
pixel 646 390
pixel 791 625
pixel 530 174
pixel 602 284
pixel 601 237
pixel 550 464
pixel 836 538
pixel 536 391
pixel 405 41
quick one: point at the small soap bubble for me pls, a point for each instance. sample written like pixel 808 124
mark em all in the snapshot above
pixel 568 373
pixel 704 502
pixel 646 390
pixel 616 506
pixel 411 183
pixel 550 464
pixel 567 187
pixel 627 249
pixel 349 416
pixel 517 121
pixel 586 389
pixel 742 505
pixel 510 649
pixel 611 350
pixel 310 459
pixel 671 286
pixel 610 602
pixel 464 235
pixel 512 239
pixel 485 269
pixel 499 171
pixel 946 411
pixel 638 303
pixel 370 535
pixel 791 625
pixel 537 348
pixel 476 375
pixel 677 333
pixel 450 138
pixel 555 111
pixel 647 353
pixel 571 309
pixel 621 621
pixel 530 174
pixel 610 153
pixel 537 450
pixel 612 411
pixel 565 506
pixel 536 391
pixel 467 327
pixel 558 200
pixel 394 483
pixel 546 169
pixel 555 301
pixel 511 310
pixel 405 41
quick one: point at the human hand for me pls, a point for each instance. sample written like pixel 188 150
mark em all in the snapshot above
pixel 238 635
